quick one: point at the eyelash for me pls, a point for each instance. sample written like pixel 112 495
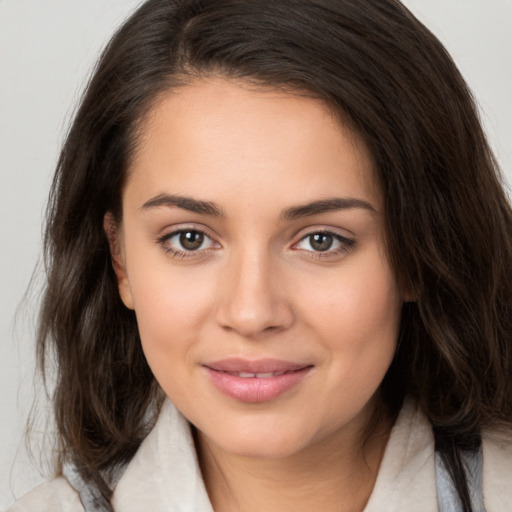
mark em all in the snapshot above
pixel 345 244
pixel 183 253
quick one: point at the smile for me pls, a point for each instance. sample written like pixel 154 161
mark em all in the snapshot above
pixel 263 375
pixel 255 381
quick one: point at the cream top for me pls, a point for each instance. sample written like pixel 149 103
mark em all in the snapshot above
pixel 164 475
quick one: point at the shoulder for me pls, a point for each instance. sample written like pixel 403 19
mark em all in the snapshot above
pixel 497 470
pixel 55 496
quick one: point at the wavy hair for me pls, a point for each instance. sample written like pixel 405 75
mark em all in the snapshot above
pixel 448 221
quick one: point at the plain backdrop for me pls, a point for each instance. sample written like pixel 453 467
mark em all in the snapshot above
pixel 47 48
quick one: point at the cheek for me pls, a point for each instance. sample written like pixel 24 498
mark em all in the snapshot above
pixel 361 303
pixel 171 304
pixel 356 319
pixel 358 328
pixel 169 319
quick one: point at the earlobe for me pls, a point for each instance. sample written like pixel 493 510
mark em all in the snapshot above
pixel 408 295
pixel 111 229
pixel 407 291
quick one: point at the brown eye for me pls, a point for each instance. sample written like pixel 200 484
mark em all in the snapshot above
pixel 187 243
pixel 325 244
pixel 191 240
pixel 321 241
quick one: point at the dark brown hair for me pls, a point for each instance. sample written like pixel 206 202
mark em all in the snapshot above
pixel 448 221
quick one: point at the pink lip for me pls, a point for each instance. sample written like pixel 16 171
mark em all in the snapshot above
pixel 255 389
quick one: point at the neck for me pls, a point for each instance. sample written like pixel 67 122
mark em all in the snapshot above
pixel 337 474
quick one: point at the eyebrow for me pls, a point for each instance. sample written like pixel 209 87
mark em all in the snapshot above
pixel 184 202
pixel 326 205
pixel 295 212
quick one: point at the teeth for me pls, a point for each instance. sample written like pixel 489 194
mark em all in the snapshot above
pixel 248 375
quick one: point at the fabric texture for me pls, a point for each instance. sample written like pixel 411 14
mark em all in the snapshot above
pixel 447 497
pixel 164 474
pixel 90 496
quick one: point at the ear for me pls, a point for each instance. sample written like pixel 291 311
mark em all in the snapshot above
pixel 408 294
pixel 111 229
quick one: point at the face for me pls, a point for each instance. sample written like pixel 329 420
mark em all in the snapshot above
pixel 252 250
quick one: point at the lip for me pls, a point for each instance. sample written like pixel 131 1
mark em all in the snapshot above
pixel 225 375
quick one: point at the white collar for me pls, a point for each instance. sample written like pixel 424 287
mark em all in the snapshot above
pixel 164 475
pixel 407 479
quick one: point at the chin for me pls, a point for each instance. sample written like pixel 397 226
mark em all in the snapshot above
pixel 264 447
pixel 257 438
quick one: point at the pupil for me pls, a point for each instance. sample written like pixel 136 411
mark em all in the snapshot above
pixel 321 241
pixel 191 240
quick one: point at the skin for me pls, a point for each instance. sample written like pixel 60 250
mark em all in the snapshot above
pixel 258 287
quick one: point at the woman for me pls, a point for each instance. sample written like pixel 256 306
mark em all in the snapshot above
pixel 283 221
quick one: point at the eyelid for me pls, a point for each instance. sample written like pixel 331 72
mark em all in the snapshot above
pixel 184 226
pixel 335 231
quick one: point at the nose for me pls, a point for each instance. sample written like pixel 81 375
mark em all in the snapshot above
pixel 254 302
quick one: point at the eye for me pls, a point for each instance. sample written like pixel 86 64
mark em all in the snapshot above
pixel 185 241
pixel 324 242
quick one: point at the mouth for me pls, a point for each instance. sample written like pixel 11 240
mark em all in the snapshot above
pixel 263 367
pixel 259 375
pixel 255 381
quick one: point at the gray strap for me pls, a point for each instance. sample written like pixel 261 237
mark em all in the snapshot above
pixel 447 497
pixel 90 496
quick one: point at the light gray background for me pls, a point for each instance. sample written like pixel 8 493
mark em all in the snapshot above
pixel 47 48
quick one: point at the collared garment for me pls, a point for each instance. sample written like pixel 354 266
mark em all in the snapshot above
pixel 164 475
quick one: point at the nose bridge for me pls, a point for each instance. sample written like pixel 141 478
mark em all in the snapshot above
pixel 253 300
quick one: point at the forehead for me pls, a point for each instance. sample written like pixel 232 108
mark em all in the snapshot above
pixel 218 134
